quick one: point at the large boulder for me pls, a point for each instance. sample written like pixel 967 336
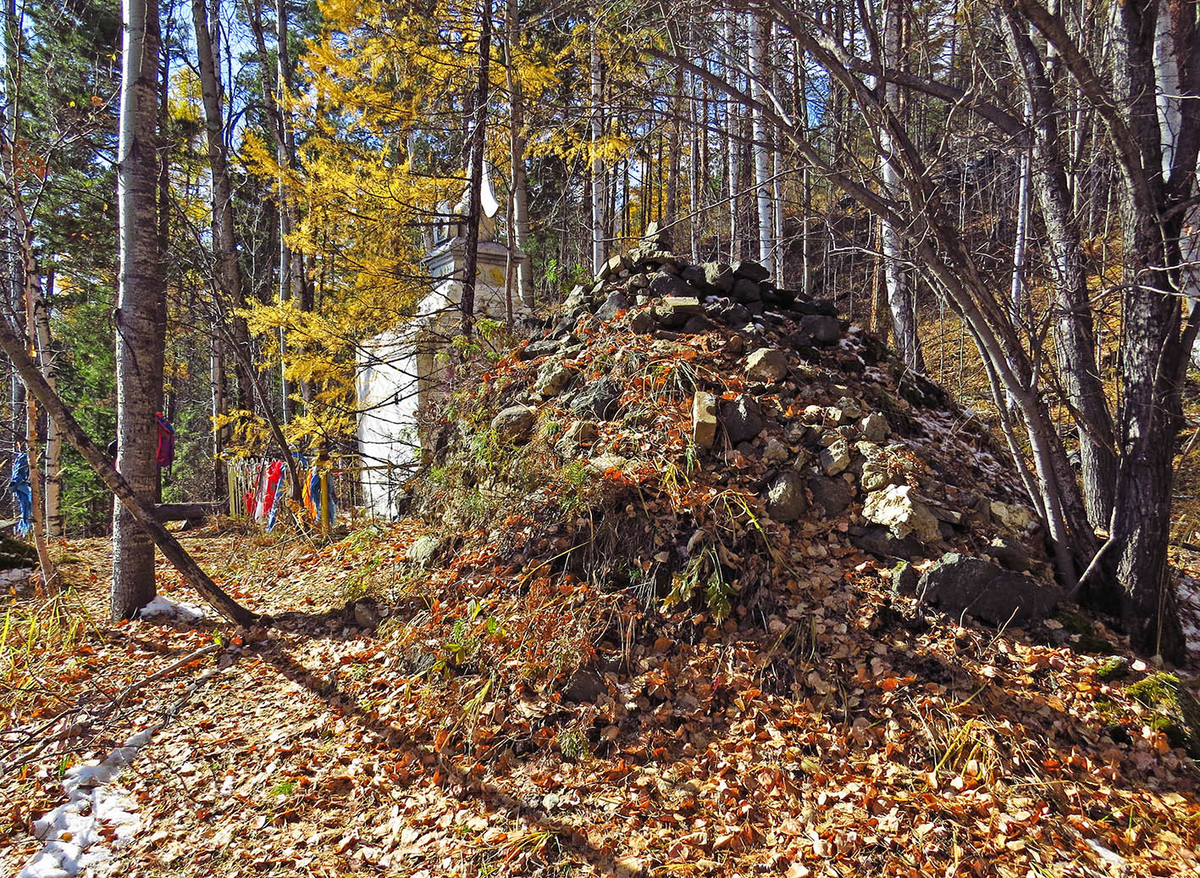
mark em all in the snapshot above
pixel 958 584
pixel 834 495
pixel 674 311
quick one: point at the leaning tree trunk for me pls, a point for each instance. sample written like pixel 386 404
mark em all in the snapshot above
pixel 1074 338
pixel 141 510
pixel 138 382
pixel 475 184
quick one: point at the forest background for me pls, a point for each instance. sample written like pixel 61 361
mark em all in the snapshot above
pixel 1008 192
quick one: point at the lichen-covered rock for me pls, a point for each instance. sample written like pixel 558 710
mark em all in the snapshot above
pixel 422 550
pixel 786 500
pixel 514 424
pixel 766 365
pixel 897 509
pixel 552 379
pixel 599 399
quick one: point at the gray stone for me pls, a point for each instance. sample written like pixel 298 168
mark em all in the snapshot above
pixel 833 495
pixel 514 424
pixel 718 275
pixel 836 458
pixel 704 419
pixel 536 349
pixel 578 433
pixel 552 379
pixel 766 365
pixel 879 541
pixel 825 330
pixel 1009 552
pixel 751 271
pixel 586 685
pixel 366 613
pixel 957 584
pixel 746 291
pixel 896 508
pixel 674 311
pixel 905 579
pixel 614 304
pixel 600 399
pixel 851 410
pixel 643 323
pixel 422 550
pixel 776 451
pixel 742 418
pixel 874 428
pixel 786 500
pixel 663 284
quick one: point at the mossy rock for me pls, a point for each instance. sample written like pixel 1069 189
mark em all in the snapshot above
pixel 1113 669
pixel 15 554
pixel 1178 710
pixel 1089 641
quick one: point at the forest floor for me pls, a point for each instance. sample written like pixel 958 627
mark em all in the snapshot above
pixel 319 747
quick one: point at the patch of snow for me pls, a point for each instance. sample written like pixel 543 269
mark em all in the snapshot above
pixel 164 606
pixel 97 817
pixel 1189 610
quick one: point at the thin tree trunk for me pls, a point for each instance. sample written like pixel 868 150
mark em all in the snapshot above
pixel 48 361
pixel 599 199
pixel 138 382
pixel 475 183
pixel 519 227
pixel 759 35
pixel 901 301
pixel 229 280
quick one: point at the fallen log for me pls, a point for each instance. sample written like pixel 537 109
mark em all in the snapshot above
pixel 165 512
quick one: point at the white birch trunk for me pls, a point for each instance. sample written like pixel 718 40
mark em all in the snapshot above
pixel 759 35
pixel 599 200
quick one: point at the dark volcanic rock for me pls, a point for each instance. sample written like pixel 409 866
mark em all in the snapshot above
pixel 825 330
pixel 615 303
pixel 833 495
pixel 957 584
pixel 879 541
pixel 742 418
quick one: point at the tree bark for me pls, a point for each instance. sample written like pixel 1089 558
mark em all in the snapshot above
pixel 138 381
pixel 599 199
pixel 760 30
pixel 519 229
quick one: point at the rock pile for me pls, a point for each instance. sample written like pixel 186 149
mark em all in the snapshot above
pixel 660 370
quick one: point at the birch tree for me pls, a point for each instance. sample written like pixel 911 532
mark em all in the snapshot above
pixel 139 364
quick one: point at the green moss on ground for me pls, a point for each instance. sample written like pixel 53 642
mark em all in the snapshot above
pixel 1178 711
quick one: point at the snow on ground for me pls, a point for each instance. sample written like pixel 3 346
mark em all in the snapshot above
pixel 164 606
pixel 1189 610
pixel 96 818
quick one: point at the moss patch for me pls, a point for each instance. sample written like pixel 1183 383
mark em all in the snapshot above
pixel 1089 641
pixel 1178 711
